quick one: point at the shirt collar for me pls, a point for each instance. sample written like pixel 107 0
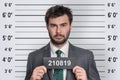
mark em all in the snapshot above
pixel 64 49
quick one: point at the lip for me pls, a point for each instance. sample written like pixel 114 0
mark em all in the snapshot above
pixel 58 37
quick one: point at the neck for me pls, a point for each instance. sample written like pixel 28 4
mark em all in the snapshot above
pixel 59 45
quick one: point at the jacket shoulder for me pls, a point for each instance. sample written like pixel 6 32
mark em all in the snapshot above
pixel 39 51
pixel 81 50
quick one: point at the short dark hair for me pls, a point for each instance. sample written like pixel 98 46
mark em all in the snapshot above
pixel 57 11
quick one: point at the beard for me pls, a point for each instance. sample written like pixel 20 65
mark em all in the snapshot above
pixel 59 42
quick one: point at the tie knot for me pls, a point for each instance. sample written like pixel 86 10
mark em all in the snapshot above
pixel 58 52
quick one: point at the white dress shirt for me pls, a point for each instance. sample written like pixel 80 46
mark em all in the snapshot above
pixel 64 49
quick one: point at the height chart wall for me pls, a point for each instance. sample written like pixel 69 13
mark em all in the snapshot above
pixel 96 26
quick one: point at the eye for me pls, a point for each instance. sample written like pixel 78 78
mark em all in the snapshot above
pixel 63 25
pixel 52 25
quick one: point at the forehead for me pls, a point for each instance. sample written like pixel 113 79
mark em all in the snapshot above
pixel 61 19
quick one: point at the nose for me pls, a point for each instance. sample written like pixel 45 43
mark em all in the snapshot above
pixel 58 29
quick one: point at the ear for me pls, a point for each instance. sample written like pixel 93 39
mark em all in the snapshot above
pixel 71 26
pixel 47 26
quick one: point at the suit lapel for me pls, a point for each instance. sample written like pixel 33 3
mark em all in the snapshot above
pixel 47 53
pixel 71 50
pixel 70 75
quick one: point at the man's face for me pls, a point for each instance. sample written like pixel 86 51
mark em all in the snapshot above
pixel 59 29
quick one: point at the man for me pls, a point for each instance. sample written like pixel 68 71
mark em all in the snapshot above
pixel 59 23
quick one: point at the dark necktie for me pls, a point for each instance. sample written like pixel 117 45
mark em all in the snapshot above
pixel 58 73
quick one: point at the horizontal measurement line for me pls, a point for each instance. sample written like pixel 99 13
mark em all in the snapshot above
pixel 20 66
pixel 100 66
pixel 44 15
pixel 89 15
pixel 62 4
pixel 24 49
pixel 97 49
pixel 23 26
pixel 28 21
pixel 88 31
pixel 20 59
pixel 69 38
pixel 71 31
pixel 26 59
pixel 36 49
pixel 91 21
pixel 24 76
pixel 88 26
pixel 99 54
pixel 31 32
pixel 30 27
pixel 89 44
pixel 101 71
pixel 73 21
pixel 27 15
pixel 32 38
pixel 45 44
pixel 19 76
pixel 88 9
pixel 20 71
pixel 30 9
pixel 25 66
pixel 99 59
pixel 30 44
pixel 72 9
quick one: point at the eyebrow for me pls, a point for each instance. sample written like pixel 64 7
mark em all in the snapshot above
pixel 52 24
pixel 56 24
pixel 63 23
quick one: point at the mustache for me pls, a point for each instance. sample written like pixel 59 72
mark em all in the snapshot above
pixel 59 35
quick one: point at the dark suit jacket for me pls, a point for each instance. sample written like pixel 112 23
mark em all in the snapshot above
pixel 84 58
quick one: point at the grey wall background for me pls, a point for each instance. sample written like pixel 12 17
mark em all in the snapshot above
pixel 96 27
